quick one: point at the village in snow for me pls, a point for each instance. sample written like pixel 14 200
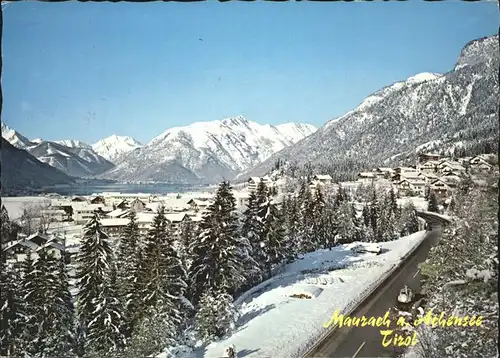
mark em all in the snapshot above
pixel 249 179
pixel 351 258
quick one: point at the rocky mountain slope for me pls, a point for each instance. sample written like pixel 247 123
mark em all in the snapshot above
pixel 114 147
pixel 74 158
pixel 15 138
pixel 78 162
pixel 206 151
pixel 72 143
pixel 453 113
pixel 21 171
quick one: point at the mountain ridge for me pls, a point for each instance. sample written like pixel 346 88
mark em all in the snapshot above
pixel 206 152
pixel 21 171
pixel 73 157
pixel 451 113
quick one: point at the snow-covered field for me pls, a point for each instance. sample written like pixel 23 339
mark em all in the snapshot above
pixel 14 205
pixel 274 324
pixel 419 202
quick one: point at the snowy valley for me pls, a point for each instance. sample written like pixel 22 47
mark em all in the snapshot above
pixel 203 152
pixel 283 225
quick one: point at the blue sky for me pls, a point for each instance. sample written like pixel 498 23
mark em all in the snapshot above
pixel 88 70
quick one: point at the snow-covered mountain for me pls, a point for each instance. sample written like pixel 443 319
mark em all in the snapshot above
pixel 78 162
pixel 21 170
pixel 72 157
pixel 15 138
pixel 114 147
pixel 452 113
pixel 206 151
pixel 72 143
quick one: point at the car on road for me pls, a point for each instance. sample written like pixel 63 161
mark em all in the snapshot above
pixel 405 295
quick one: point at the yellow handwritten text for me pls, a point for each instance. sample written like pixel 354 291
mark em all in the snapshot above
pixel 434 320
pixel 390 338
pixel 398 340
pixel 341 321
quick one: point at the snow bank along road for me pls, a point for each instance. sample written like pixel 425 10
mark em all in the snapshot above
pixel 283 316
pixel 367 341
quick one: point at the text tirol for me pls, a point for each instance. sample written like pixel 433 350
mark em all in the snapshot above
pixel 392 338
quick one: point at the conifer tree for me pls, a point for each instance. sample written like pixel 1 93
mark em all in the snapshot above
pixel 164 274
pixel 95 308
pixel 306 235
pixel 28 310
pixel 348 227
pixel 292 223
pixel 366 215
pixel 152 334
pixel 324 221
pixel 433 202
pixel 411 224
pixel 427 191
pixel 105 330
pixel 248 227
pixel 375 218
pixel 63 340
pixel 52 300
pixel 188 231
pixel 340 197
pixel 219 253
pixel 176 285
pixel 274 241
pixel 139 290
pixel 155 261
pixel 5 226
pixel 128 251
pixel 253 223
pixel 393 204
pixel 10 309
pixel 389 218
pixel 452 205
pixel 216 316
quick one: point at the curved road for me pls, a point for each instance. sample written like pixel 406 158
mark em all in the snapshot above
pixel 367 341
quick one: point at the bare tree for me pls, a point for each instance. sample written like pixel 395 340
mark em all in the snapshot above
pixel 35 217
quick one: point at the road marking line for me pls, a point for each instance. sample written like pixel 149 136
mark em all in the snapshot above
pixel 359 349
pixel 416 273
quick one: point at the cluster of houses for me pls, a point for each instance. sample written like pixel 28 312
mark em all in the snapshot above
pixel 317 181
pixel 18 250
pixel 114 208
pixel 442 175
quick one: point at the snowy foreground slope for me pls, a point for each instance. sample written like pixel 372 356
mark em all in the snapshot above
pixel 273 324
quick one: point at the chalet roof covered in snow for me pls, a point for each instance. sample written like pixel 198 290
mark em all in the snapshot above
pixel 118 213
pixel 322 177
pixel 412 175
pixel 366 175
pixel 176 217
pixel 384 170
pixel 137 200
pixel 145 217
pixel 61 203
pixel 429 175
pixel 114 222
pixel 86 206
pixel 199 202
pixel 405 169
pixel 52 245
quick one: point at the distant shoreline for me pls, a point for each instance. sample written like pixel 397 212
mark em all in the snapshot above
pixel 86 189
